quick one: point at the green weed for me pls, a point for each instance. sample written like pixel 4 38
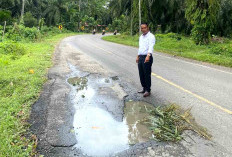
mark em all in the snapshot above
pixel 169 123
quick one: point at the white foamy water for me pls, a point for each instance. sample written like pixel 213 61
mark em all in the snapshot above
pixel 98 134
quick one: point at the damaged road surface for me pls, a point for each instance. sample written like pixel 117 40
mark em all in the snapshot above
pixel 89 107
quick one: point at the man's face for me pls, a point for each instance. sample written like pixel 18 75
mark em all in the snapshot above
pixel 144 29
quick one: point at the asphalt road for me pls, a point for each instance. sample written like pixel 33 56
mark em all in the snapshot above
pixel 207 89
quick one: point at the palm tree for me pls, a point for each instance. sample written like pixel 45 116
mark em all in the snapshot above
pixel 11 5
pixel 54 11
pixel 123 7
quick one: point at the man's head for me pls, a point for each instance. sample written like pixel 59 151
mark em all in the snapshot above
pixel 144 28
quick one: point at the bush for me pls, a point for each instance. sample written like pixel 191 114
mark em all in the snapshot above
pixel 174 36
pixel 14 49
pixel 20 32
pixel 5 15
pixel 31 33
pixel 201 34
pixel 225 50
pixel 52 30
pixel 29 20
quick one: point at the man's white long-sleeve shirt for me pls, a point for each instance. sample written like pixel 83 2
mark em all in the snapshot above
pixel 146 44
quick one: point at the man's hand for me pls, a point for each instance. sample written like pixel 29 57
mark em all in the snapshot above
pixel 147 59
pixel 137 59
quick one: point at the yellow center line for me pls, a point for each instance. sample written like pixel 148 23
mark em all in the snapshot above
pixel 195 95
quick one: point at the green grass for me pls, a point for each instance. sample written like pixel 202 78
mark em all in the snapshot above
pixel 21 81
pixel 174 44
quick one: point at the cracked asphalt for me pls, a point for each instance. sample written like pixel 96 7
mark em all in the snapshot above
pixel 205 88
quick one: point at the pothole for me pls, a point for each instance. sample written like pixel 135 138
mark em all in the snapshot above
pixel 98 102
pixel 98 129
pixel 103 125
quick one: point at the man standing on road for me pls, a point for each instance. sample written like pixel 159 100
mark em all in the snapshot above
pixel 145 59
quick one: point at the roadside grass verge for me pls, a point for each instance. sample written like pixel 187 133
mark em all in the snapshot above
pixel 22 76
pixel 218 52
pixel 168 123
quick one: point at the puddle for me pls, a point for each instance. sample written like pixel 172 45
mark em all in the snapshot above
pixel 98 134
pixel 134 115
pixel 97 130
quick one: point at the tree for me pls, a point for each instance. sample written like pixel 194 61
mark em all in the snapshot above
pixel 54 11
pixel 224 20
pixel 202 15
pixel 29 20
pixel 124 7
pixel 5 15
pixel 12 5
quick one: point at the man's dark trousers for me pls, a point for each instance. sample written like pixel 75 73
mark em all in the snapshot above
pixel 145 72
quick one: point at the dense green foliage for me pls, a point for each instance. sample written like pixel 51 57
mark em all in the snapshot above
pixel 224 20
pixel 25 54
pixel 203 16
pixel 82 15
pixel 200 18
pixel 23 68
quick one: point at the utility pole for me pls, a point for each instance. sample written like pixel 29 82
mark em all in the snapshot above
pixel 139 17
pixel 3 33
pixel 22 11
pixel 79 19
pixel 131 17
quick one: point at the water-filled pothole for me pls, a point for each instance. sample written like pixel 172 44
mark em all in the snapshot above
pixel 97 129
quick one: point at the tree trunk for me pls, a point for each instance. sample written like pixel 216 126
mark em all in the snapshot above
pixel 22 11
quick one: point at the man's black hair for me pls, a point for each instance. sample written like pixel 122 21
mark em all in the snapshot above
pixel 144 23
